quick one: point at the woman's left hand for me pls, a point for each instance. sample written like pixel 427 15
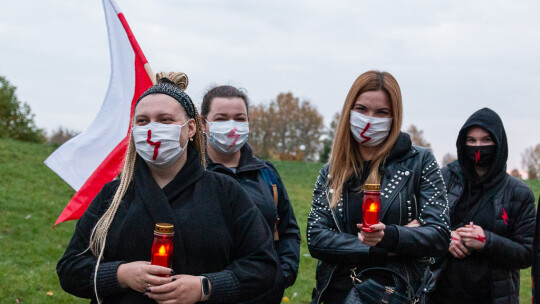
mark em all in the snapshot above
pixel 185 289
pixel 472 236
pixel 371 238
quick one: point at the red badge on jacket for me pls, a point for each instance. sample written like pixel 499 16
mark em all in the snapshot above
pixel 505 217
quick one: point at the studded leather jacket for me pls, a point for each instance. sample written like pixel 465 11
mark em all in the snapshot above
pixel 412 188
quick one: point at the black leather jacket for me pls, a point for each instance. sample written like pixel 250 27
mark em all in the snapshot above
pixel 412 188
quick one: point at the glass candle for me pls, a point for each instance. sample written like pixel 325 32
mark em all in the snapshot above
pixel 371 206
pixel 162 248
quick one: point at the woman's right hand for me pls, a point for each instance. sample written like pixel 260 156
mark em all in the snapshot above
pixel 140 275
pixel 457 247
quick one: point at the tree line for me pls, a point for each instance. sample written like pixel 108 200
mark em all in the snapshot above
pixel 287 128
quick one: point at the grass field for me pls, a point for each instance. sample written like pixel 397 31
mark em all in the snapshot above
pixel 32 197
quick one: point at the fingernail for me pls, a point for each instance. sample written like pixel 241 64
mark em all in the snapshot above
pixel 148 290
pixel 172 272
pixel 173 279
pixel 145 295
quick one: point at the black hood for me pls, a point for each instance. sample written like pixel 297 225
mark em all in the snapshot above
pixel 488 120
pixel 401 147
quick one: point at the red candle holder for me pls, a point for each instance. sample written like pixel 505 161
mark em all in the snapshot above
pixel 371 206
pixel 162 248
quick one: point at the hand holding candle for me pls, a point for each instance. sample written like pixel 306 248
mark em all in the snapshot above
pixel 371 229
pixel 372 237
pixel 371 206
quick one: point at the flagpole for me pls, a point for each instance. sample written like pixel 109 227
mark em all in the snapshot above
pixel 139 53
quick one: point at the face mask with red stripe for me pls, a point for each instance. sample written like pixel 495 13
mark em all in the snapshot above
pixel 368 130
pixel 159 144
pixel 481 156
pixel 228 136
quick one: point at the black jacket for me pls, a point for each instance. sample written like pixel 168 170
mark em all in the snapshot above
pixel 535 271
pixel 412 188
pixel 507 208
pixel 218 232
pixel 248 174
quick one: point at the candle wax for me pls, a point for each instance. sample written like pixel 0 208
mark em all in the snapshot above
pixel 160 260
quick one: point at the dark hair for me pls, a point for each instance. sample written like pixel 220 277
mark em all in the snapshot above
pixel 225 91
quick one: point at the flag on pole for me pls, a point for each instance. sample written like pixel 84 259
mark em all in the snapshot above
pixel 96 156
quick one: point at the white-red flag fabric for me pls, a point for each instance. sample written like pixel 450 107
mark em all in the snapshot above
pixel 95 157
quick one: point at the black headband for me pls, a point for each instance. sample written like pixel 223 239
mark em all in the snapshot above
pixel 167 87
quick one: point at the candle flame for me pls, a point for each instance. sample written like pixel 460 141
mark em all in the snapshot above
pixel 162 250
pixel 373 207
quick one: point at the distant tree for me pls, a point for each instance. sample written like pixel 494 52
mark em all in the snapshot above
pixel 417 137
pixel 324 156
pixel 515 173
pixel 61 135
pixel 261 130
pixel 285 126
pixel 530 160
pixel 16 117
pixel 448 158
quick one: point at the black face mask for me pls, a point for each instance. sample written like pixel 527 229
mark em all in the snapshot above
pixel 481 156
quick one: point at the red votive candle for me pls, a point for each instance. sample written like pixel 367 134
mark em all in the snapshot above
pixel 162 248
pixel 371 206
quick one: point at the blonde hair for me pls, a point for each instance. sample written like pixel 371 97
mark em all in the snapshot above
pixel 98 237
pixel 345 158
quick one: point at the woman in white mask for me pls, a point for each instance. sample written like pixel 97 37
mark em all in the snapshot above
pixel 222 247
pixel 225 109
pixel 369 148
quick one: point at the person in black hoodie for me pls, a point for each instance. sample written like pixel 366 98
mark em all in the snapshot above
pixel 492 216
pixel 223 251
pixel 369 148
pixel 225 109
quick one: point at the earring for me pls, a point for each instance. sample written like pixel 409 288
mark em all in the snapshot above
pixel 191 139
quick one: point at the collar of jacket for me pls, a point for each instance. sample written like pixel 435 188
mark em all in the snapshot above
pixel 157 201
pixel 457 170
pixel 396 172
pixel 247 162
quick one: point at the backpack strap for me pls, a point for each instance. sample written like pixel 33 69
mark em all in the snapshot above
pixel 271 180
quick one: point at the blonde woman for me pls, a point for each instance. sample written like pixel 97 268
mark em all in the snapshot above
pixel 370 149
pixel 223 251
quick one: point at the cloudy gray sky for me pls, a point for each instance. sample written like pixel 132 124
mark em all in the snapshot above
pixel 451 58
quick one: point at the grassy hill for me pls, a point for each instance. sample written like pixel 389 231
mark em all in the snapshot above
pixel 32 197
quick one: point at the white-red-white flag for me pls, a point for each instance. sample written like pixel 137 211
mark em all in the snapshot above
pixel 94 157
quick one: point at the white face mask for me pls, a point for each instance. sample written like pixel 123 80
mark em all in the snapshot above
pixel 228 136
pixel 159 144
pixel 369 131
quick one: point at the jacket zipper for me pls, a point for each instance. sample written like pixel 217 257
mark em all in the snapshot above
pixel 327 283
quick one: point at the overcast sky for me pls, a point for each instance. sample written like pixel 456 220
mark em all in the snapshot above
pixel 450 58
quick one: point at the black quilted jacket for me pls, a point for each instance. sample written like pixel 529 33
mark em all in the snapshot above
pixel 412 188
pixel 509 243
pixel 509 236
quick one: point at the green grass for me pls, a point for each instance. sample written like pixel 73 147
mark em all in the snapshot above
pixel 32 197
pixel 299 179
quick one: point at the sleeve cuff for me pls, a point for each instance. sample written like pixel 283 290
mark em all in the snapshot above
pixel 390 238
pixel 107 280
pixel 225 287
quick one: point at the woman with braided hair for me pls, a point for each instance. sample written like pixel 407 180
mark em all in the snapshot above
pixel 221 241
